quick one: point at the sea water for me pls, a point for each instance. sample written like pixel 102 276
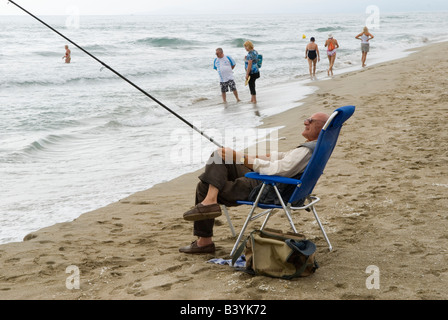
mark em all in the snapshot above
pixel 75 137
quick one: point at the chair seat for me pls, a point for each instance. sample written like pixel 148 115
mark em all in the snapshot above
pixel 272 179
pixel 261 205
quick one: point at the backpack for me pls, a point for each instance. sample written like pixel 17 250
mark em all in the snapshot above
pixel 276 254
pixel 331 45
pixel 259 60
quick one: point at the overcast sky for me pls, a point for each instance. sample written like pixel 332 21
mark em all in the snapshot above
pixel 87 7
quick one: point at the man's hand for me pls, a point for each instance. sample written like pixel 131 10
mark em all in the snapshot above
pixel 228 155
pixel 232 156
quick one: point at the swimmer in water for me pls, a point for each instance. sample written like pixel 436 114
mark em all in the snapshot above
pixel 67 54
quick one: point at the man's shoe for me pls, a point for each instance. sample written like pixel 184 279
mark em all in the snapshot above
pixel 203 212
pixel 194 248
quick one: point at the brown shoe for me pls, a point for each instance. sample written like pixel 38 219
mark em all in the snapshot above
pixel 203 212
pixel 194 248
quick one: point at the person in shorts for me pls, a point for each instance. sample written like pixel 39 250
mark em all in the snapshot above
pixel 365 36
pixel 224 65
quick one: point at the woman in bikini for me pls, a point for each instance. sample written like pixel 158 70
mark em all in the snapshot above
pixel 313 56
pixel 364 36
pixel 67 54
pixel 331 44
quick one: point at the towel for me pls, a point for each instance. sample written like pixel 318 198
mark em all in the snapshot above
pixel 239 263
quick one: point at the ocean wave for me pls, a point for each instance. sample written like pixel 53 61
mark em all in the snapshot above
pixel 77 79
pixel 237 42
pixel 49 82
pixel 46 144
pixel 48 53
pixel 166 42
pixel 134 123
pixel 100 48
pixel 327 29
pixel 397 17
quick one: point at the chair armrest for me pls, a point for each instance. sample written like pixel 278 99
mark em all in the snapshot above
pixel 272 179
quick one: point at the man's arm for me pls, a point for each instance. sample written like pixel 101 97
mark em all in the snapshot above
pixel 240 157
pixel 288 165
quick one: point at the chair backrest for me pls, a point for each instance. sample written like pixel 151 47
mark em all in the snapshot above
pixel 324 148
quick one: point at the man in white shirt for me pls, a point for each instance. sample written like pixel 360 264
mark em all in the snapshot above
pixel 225 183
pixel 224 65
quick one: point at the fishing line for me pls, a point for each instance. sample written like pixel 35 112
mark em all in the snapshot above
pixel 118 74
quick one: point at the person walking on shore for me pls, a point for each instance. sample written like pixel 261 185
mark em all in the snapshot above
pixel 224 181
pixel 252 71
pixel 313 56
pixel 364 36
pixel 225 65
pixel 331 44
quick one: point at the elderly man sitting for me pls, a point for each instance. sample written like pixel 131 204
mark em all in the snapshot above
pixel 225 183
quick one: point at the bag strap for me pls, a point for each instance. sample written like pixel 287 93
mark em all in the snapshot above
pixel 240 249
pixel 267 234
pixel 300 271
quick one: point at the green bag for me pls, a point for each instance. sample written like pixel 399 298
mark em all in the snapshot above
pixel 276 254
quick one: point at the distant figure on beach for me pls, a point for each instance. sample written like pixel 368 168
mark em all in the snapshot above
pixel 364 36
pixel 67 54
pixel 252 71
pixel 313 56
pixel 223 181
pixel 331 44
pixel 224 65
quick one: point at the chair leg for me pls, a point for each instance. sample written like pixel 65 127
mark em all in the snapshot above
pixel 266 219
pixel 240 236
pixel 287 209
pixel 229 221
pixel 249 216
pixel 321 228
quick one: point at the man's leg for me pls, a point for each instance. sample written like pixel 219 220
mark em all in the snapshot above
pixel 206 225
pixel 235 187
pixel 236 95
pixel 232 86
pixel 224 89
pixel 231 185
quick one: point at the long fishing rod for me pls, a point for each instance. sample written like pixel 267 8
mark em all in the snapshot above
pixel 118 74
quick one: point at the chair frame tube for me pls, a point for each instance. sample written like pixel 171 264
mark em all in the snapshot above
pixel 288 210
pixel 249 216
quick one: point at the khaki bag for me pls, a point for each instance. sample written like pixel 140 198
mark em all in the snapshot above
pixel 276 254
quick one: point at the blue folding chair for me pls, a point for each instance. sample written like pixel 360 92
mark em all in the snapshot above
pixel 305 185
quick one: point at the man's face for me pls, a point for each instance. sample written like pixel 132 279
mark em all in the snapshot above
pixel 219 53
pixel 313 126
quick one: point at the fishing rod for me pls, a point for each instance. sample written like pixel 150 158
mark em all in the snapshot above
pixel 121 76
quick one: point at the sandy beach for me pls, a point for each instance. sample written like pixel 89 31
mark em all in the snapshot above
pixel 384 203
